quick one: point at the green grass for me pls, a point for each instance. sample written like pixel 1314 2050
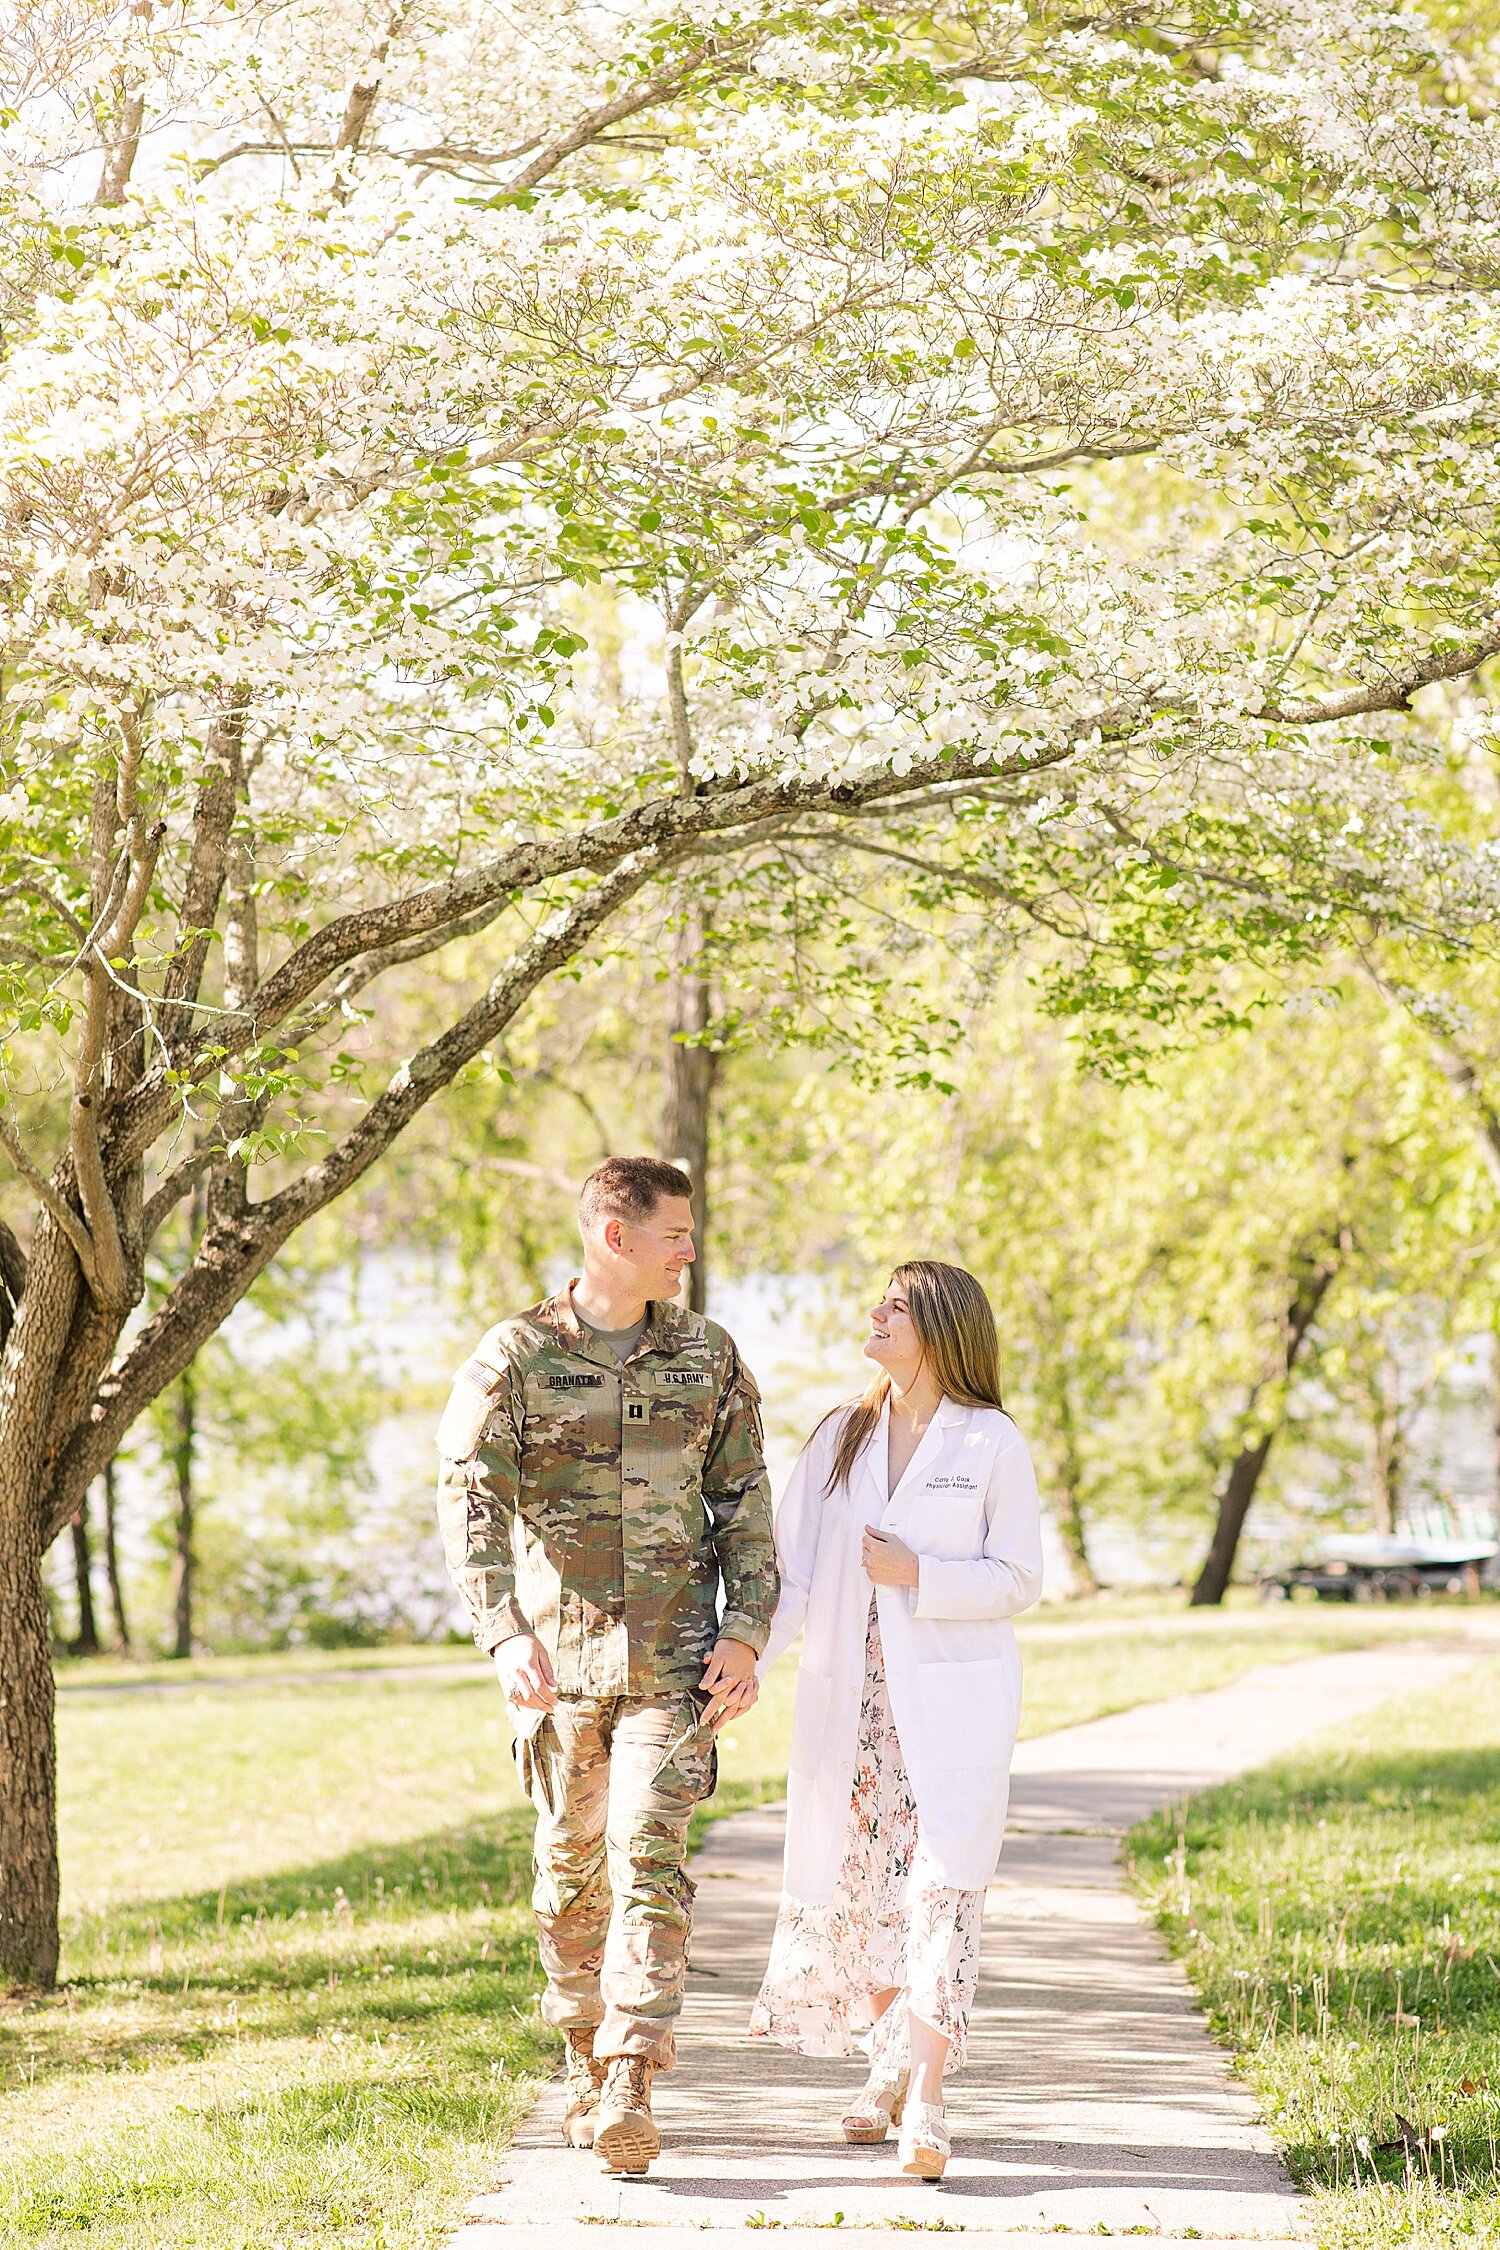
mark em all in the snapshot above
pixel 300 1989
pixel 299 1997
pixel 75 1672
pixel 1339 1912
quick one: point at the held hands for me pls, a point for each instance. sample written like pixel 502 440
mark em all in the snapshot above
pixel 887 1561
pixel 729 1678
pixel 530 1684
pixel 525 1674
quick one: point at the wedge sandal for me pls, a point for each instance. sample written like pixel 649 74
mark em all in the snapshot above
pixel 876 2110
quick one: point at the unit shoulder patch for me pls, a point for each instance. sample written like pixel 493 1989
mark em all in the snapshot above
pixel 466 1416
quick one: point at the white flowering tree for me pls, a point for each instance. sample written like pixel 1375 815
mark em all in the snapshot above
pixel 1040 453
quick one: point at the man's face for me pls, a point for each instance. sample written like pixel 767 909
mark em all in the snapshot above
pixel 659 1247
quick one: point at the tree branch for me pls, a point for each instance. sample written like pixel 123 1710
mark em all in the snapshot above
pixel 368 966
pixel 170 1192
pixel 1028 464
pixel 62 1211
pixel 670 824
pixel 662 825
pixel 233 1254
pixel 228 1189
pixel 125 888
pixel 363 92
pixel 723 52
pixel 26 888
pixel 958 878
pixel 121 152
pixel 12 1279
pixel 1394 694
pixel 213 818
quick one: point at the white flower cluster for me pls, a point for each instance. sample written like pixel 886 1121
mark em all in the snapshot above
pixel 1039 398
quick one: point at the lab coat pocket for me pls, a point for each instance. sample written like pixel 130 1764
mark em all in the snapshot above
pixel 810 1720
pixel 968 1711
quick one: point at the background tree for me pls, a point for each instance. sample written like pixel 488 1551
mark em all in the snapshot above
pixel 86 1642
pixel 1184 1265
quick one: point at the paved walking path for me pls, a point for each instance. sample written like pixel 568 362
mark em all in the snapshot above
pixel 1094 2099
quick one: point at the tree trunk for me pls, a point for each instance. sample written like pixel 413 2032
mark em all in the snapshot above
pixel 28 1766
pixel 183 1560
pixel 691 1070
pixel 1073 1531
pixel 29 1369
pixel 1239 1486
pixel 112 1565
pixel 1237 1493
pixel 87 1643
pixel 1071 1522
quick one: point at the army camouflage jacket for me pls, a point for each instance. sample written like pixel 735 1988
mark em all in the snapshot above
pixel 600 1506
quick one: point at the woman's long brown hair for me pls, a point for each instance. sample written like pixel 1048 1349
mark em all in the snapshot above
pixel 952 1317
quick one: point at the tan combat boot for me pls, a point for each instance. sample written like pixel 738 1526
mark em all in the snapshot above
pixel 585 2077
pixel 624 2134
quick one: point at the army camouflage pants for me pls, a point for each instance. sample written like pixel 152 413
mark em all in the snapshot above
pixel 614 1780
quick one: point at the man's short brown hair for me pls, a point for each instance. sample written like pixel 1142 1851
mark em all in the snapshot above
pixel 629 1188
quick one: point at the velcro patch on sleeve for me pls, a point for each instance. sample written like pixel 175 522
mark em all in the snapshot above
pixel 466 1415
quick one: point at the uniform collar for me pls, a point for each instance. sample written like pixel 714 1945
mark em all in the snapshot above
pixel 664 1330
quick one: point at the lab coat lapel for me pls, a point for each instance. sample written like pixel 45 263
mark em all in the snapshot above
pixel 874 1465
pixel 921 1461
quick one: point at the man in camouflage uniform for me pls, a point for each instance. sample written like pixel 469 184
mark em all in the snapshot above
pixel 602 1484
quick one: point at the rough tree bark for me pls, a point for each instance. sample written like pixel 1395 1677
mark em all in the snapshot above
pixel 28 1771
pixel 184 1551
pixel 1265 1414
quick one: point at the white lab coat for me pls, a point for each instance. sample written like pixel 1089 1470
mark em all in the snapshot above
pixel 967 1507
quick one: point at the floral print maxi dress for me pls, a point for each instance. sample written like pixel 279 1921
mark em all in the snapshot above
pixel 890 1923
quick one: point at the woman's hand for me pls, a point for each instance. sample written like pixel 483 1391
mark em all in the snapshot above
pixel 887 1561
pixel 526 1676
pixel 729 1682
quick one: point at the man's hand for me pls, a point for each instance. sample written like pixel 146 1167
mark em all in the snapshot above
pixel 525 1673
pixel 730 1682
pixel 887 1561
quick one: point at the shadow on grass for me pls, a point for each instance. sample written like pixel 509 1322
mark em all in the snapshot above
pixel 432 1936
pixel 481 1862
pixel 399 1938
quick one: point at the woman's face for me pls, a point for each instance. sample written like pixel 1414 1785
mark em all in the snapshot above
pixel 893 1342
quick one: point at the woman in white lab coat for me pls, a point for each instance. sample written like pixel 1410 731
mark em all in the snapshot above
pixel 908 1537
